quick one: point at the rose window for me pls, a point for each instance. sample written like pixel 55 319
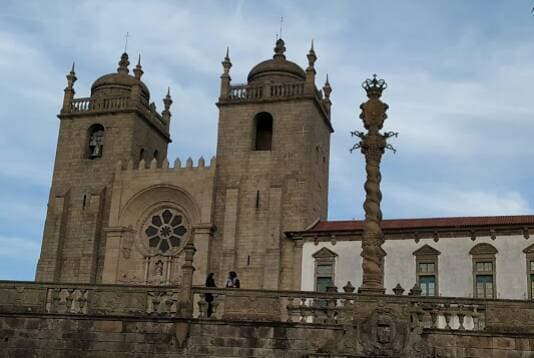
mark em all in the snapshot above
pixel 165 230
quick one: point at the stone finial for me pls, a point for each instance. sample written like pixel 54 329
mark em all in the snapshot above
pixel 153 163
pixel 226 63
pixel 189 163
pixel 165 163
pixel 279 50
pixel 123 64
pixel 348 288
pixel 167 102
pixel 327 89
pixel 71 77
pixel 312 57
pixel 212 162
pixel 415 290
pixel 201 162
pixel 398 290
pixel 69 90
pixel 225 77
pixel 138 71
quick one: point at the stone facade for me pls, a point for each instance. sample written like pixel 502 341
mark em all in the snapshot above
pixel 236 210
pixel 129 240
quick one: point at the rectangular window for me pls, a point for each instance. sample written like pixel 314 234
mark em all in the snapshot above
pixel 484 286
pixel 428 285
pixel 426 267
pixel 484 266
pixel 324 274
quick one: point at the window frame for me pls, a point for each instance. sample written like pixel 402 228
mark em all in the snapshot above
pixel 529 258
pixel 426 254
pixel 483 253
pixel 324 257
pixel 261 117
pixel 92 129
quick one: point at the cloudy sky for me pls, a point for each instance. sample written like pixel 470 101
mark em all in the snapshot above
pixel 460 77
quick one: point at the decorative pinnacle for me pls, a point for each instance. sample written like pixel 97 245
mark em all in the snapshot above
pixel 326 88
pixel 311 56
pixel 279 49
pixel 123 64
pixel 227 64
pixel 71 77
pixel 167 101
pixel 138 71
pixel 374 87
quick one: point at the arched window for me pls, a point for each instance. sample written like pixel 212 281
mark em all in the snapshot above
pixel 484 270
pixel 264 131
pixel 156 155
pixel 141 154
pixel 96 141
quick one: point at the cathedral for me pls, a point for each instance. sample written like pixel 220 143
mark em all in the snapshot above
pixel 130 238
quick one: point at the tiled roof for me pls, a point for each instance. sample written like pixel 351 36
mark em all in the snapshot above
pixel 426 223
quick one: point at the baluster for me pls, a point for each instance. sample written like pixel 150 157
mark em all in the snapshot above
pixel 447 320
pixel 461 317
pixel 434 319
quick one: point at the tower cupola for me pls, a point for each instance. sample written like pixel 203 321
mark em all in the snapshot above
pixel 277 69
pixel 120 83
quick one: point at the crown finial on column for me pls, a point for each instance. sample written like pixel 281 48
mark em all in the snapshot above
pixel 138 71
pixel 123 64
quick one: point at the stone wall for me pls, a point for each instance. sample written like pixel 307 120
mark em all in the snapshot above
pixel 59 320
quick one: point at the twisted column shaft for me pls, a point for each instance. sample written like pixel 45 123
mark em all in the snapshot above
pixel 372 145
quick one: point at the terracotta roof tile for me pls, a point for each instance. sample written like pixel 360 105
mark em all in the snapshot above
pixel 425 223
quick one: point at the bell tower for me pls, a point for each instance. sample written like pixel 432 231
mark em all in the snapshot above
pixel 116 123
pixel 272 169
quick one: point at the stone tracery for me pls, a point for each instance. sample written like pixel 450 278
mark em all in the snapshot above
pixel 166 230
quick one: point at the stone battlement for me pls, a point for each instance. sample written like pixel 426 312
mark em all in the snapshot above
pixel 143 165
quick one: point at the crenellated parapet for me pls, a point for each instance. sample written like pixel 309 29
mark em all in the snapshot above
pixel 177 165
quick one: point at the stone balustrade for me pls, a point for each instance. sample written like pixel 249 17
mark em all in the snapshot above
pixel 428 313
pixel 93 300
pixel 87 105
pixel 289 307
pixel 244 92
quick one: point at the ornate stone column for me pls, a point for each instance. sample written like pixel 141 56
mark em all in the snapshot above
pixel 372 146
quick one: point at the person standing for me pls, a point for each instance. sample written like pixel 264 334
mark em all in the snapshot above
pixel 210 282
pixel 232 281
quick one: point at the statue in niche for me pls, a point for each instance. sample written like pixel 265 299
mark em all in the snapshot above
pixel 158 268
pixel 96 143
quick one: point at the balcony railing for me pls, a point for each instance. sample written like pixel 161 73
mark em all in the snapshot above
pixel 107 104
pixel 244 92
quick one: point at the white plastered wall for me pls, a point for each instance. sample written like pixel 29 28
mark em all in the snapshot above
pixel 455 264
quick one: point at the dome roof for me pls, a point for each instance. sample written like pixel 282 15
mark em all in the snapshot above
pixel 278 66
pixel 121 79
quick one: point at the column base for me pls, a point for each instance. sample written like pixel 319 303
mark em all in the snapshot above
pixel 371 291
